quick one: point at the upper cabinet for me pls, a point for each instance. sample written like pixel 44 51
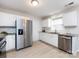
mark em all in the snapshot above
pixel 46 23
pixel 7 19
pixel 70 19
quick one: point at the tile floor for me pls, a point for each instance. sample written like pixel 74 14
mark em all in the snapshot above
pixel 40 50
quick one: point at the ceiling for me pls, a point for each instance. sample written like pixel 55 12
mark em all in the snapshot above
pixel 45 7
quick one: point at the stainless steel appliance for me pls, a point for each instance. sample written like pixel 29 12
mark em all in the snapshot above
pixel 2 48
pixel 65 43
pixel 23 33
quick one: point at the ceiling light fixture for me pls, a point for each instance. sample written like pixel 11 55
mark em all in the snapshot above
pixel 34 2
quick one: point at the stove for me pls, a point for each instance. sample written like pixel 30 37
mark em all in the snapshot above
pixel 2 48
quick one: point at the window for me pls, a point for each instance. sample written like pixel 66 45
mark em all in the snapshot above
pixel 57 25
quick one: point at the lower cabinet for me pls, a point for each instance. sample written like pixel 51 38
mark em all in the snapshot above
pixel 10 39
pixel 49 38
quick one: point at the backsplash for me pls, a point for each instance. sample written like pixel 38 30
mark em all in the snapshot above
pixel 52 30
pixel 8 30
pixel 72 30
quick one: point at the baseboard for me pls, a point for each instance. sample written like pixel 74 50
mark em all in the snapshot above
pixel 48 44
pixel 35 40
pixel 10 50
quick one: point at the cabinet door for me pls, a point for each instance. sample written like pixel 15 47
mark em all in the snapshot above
pixel 70 19
pixel 7 19
pixel 49 38
pixel 46 23
pixel 53 39
pixel 40 36
pixel 43 36
pixel 10 42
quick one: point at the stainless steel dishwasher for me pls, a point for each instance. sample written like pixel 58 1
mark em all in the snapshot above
pixel 65 43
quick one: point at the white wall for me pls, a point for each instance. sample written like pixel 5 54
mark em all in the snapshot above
pixel 36 28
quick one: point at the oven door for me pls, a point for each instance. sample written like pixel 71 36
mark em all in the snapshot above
pixel 3 48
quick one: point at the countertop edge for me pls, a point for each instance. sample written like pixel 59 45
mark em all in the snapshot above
pixel 61 34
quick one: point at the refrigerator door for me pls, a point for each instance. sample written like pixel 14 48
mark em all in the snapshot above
pixel 19 42
pixel 28 33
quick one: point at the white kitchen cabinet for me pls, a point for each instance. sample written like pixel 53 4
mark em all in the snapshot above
pixel 49 38
pixel 70 18
pixel 46 23
pixel 7 19
pixel 75 45
pixel 10 39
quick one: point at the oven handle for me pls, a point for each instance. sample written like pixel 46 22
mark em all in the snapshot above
pixel 3 45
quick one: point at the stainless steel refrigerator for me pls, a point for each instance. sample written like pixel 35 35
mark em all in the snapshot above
pixel 23 34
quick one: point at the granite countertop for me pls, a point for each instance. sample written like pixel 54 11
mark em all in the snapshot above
pixel 73 35
pixel 50 32
pixel 11 33
pixel 66 34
